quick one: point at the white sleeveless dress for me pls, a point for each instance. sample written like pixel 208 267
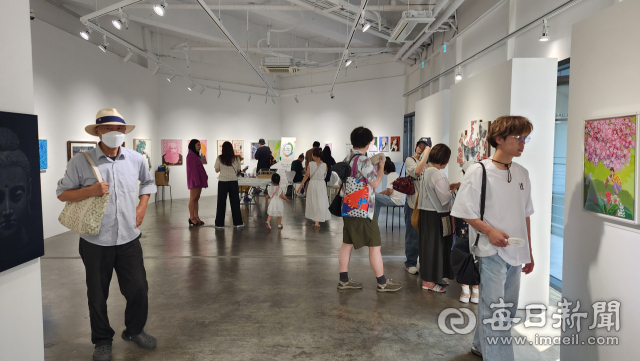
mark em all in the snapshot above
pixel 317 208
pixel 276 204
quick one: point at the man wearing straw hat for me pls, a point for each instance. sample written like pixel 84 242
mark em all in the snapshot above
pixel 117 246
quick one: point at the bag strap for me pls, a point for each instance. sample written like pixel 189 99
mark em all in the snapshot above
pixel 316 171
pixel 94 168
pixel 483 196
pixel 415 206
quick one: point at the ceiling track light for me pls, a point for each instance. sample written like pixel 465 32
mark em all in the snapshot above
pixel 365 27
pixel 347 62
pixel 123 19
pixel 104 46
pixel 273 100
pixel 296 98
pixel 171 78
pixel 85 33
pixel 202 90
pixel 249 98
pixel 545 31
pixel 160 8
pixel 193 85
pixel 458 74
pixel 128 57
pixel 219 93
pixel 155 71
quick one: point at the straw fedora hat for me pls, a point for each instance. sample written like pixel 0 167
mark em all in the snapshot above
pixel 108 116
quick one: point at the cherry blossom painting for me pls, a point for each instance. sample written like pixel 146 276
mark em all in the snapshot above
pixel 473 145
pixel 610 166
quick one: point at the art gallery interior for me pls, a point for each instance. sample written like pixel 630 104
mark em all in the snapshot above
pixel 305 71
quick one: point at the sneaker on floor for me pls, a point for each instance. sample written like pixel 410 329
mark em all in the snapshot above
pixel 268 225
pixel 102 353
pixel 390 286
pixel 475 351
pixel 350 285
pixel 475 296
pixel 239 226
pixel 280 226
pixel 412 270
pixel 464 297
pixel 219 227
pixel 143 340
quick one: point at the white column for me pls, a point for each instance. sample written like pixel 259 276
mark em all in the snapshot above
pixel 21 335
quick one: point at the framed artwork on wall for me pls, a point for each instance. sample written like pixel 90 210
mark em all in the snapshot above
pixel 238 148
pixel 473 145
pixel 21 231
pixel 374 147
pixel 383 144
pixel 395 144
pixel 254 148
pixel 171 151
pixel 274 145
pixel 42 150
pixel 204 152
pixel 75 147
pixel 610 166
pixel 220 143
pixel 143 146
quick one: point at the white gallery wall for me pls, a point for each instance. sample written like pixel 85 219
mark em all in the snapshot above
pixel 432 118
pixel 601 255
pixel 518 87
pixel 375 104
pixel 21 336
pixel 72 80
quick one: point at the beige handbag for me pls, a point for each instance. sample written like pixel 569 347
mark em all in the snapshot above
pixel 415 216
pixel 85 217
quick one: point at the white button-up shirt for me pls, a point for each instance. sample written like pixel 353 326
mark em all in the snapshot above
pixel 119 221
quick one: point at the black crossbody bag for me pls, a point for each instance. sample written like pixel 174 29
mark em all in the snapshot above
pixel 463 262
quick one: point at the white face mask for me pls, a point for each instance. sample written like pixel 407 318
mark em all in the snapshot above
pixel 113 139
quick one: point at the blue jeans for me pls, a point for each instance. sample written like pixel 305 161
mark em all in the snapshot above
pixel 498 279
pixel 381 201
pixel 411 244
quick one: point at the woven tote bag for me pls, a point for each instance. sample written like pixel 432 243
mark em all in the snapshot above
pixel 85 217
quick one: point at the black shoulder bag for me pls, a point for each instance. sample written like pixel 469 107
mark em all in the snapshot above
pixel 463 262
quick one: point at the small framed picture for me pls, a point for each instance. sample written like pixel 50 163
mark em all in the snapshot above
pixel 74 147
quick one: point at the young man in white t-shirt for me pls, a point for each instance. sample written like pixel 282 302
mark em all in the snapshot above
pixel 389 197
pixel 508 207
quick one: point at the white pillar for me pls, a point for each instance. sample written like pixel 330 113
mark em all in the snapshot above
pixel 21 335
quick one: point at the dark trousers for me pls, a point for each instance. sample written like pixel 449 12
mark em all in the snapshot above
pixel 99 263
pixel 231 189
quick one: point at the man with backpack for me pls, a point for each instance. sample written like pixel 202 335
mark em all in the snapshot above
pixel 360 222
pixel 500 256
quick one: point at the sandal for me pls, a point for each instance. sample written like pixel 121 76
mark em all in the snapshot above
pixel 437 288
pixel 200 222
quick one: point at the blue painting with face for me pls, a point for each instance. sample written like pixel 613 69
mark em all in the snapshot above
pixel 21 233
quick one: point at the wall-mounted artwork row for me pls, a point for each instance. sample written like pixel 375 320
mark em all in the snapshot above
pixel 610 178
pixel 143 146
pixel 21 234
pixel 473 145
pixel 171 151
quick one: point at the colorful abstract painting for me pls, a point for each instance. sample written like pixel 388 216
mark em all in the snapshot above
pixel 143 146
pixel 254 148
pixel 238 148
pixel 610 166
pixel 274 145
pixel 172 151
pixel 473 145
pixel 204 151
pixel 42 144
pixel 395 144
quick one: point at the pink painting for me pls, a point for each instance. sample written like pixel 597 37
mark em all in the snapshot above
pixel 473 145
pixel 171 151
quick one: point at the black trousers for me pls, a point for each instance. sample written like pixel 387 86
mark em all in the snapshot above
pixel 231 189
pixel 99 263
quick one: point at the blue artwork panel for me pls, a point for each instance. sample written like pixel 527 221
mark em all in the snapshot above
pixel 42 143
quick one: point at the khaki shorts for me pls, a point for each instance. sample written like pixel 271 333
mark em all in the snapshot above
pixel 361 232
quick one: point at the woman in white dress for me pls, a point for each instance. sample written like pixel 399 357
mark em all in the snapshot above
pixel 317 208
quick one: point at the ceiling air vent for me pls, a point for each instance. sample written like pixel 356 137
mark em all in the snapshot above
pixel 278 66
pixel 411 26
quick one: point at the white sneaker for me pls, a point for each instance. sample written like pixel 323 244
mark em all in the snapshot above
pixel 475 296
pixel 412 270
pixel 239 226
pixel 280 226
pixel 464 297
pixel 218 227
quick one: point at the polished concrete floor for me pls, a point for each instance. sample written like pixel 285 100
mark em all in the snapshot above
pixel 254 294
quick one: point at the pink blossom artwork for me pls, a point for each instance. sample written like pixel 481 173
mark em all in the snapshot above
pixel 473 146
pixel 171 151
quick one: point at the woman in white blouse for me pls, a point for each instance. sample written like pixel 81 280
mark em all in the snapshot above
pixel 436 229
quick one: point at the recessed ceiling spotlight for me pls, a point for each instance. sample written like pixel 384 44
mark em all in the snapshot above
pixel 545 31
pixel 347 62
pixel 193 85
pixel 365 27
pixel 160 8
pixel 296 98
pixel 104 46
pixel 171 78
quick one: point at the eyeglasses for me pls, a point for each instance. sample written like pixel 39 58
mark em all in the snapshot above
pixel 522 138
